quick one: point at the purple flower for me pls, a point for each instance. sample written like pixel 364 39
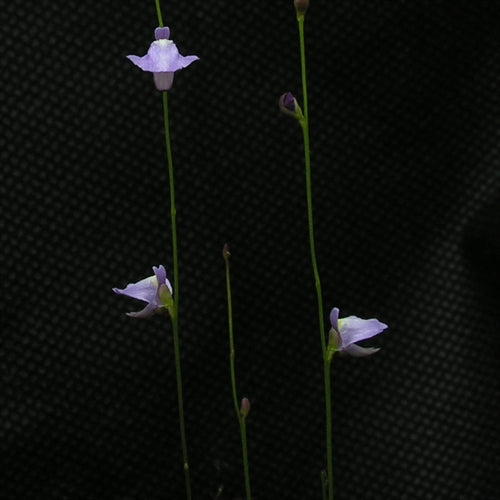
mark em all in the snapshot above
pixel 347 331
pixel 163 59
pixel 155 290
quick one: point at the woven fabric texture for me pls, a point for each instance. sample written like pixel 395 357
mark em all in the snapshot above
pixel 404 118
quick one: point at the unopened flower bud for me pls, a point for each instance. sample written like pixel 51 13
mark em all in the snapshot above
pixel 289 105
pixel 301 6
pixel 225 252
pixel 245 407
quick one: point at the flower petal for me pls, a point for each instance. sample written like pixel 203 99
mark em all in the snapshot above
pixel 149 310
pixel 161 276
pixel 160 273
pixel 334 316
pixel 164 80
pixel 144 62
pixel 185 61
pixel 146 290
pixel 352 329
pixel 162 32
pixel 164 55
pixel 358 351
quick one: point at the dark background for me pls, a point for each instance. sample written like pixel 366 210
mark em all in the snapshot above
pixel 405 128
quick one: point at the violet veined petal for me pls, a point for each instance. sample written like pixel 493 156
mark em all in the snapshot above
pixel 352 329
pixel 164 56
pixel 146 289
pixel 185 61
pixel 143 62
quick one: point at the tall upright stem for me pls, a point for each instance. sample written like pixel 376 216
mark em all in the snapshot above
pixel 175 316
pixel 240 417
pixel 304 123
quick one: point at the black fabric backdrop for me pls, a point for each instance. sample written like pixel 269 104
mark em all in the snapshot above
pixel 404 116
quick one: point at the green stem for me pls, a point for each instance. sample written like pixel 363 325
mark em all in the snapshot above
pixel 240 417
pixel 304 123
pixel 244 450
pixel 328 408
pixel 158 13
pixel 175 316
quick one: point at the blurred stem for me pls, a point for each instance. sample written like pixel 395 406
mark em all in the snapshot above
pixel 304 123
pixel 175 316
pixel 323 485
pixel 240 417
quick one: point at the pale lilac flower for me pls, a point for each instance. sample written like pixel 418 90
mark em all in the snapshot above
pixel 163 59
pixel 353 329
pixel 155 290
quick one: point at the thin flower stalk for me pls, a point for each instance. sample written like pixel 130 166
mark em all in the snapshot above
pixel 158 13
pixel 241 411
pixel 175 317
pixel 304 124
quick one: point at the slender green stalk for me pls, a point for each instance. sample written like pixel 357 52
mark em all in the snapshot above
pixel 175 316
pixel 240 417
pixel 158 13
pixel 328 411
pixel 304 123
pixel 244 451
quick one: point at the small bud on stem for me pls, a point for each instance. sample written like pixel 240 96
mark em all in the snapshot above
pixel 301 6
pixel 289 106
pixel 245 407
pixel 225 252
